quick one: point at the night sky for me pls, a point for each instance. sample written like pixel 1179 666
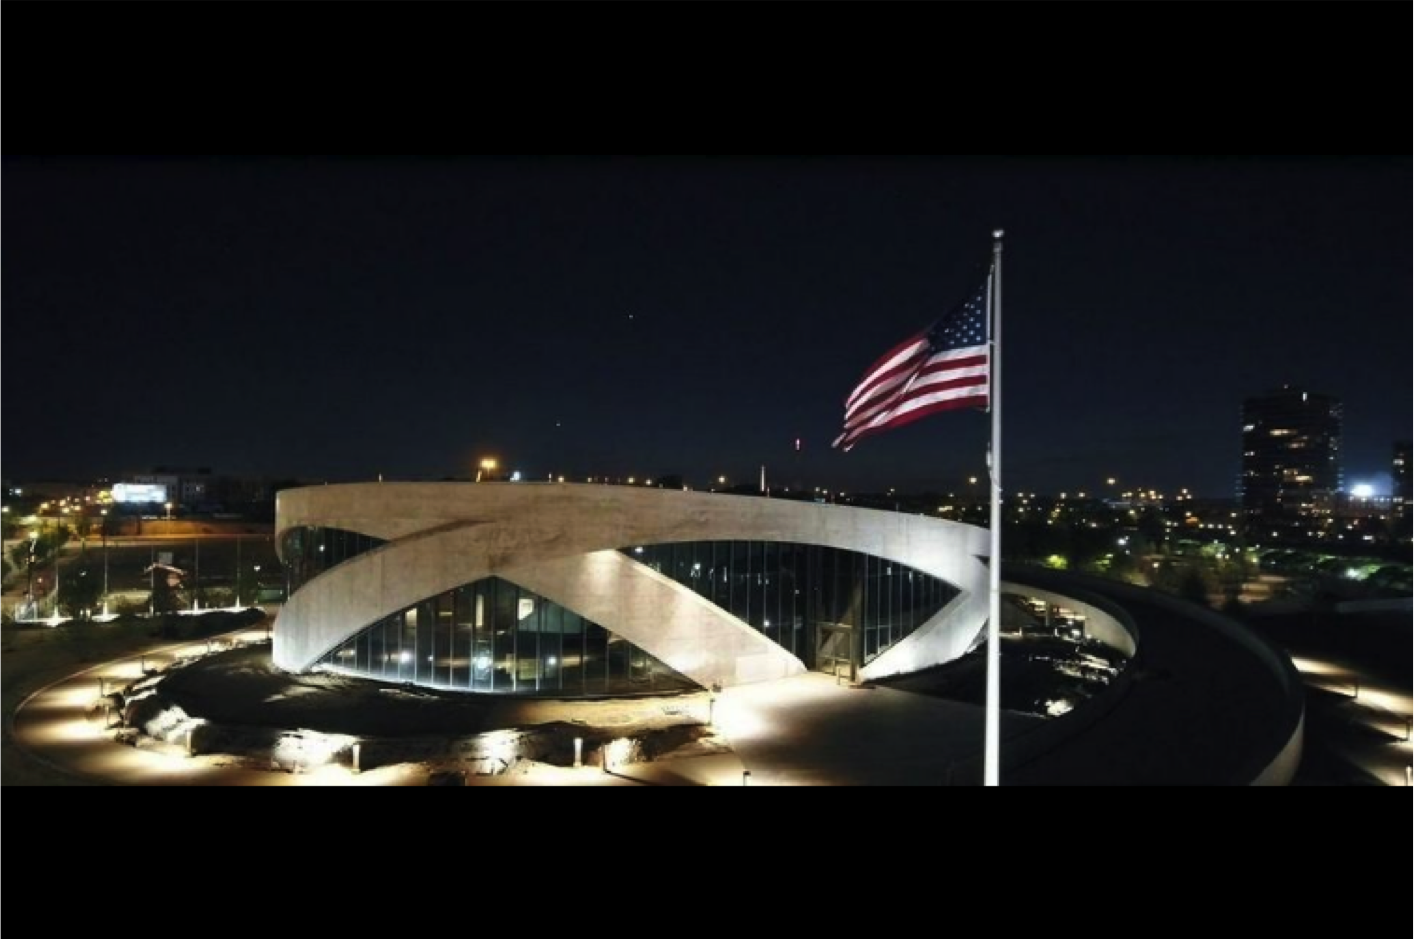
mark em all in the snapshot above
pixel 327 318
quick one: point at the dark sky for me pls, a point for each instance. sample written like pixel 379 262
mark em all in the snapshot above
pixel 341 318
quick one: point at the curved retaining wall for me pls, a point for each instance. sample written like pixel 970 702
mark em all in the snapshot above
pixel 1202 701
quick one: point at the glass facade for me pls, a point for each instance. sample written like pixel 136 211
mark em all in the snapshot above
pixel 494 636
pixel 818 603
pixel 309 552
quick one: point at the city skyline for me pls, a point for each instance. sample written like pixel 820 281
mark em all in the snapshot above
pixel 343 319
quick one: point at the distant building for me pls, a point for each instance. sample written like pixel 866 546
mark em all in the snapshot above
pixel 193 489
pixel 53 490
pixel 136 493
pixel 1291 469
pixel 188 486
pixel 1402 493
pixel 179 488
pixel 1362 519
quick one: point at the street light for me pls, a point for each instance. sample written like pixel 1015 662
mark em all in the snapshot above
pixel 103 533
pixel 169 511
pixel 58 556
pixel 486 469
pixel 29 579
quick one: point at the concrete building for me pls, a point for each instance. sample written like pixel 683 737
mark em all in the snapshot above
pixel 571 590
pixel 192 489
pixel 1291 470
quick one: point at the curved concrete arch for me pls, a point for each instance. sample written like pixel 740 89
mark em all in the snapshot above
pixel 557 540
pixel 696 637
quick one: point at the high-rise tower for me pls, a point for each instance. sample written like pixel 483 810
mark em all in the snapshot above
pixel 1290 459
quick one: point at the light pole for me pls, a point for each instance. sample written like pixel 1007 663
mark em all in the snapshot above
pixel 57 551
pixel 29 577
pixel 103 533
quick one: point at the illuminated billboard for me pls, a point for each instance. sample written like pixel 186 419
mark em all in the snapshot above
pixel 139 493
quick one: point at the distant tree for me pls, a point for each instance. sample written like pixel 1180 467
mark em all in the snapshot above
pixel 247 585
pixel 1033 540
pixel 50 542
pixel 1088 545
pixel 1165 576
pixel 165 597
pixel 1231 573
pixel 79 592
pixel 19 555
pixel 1193 586
pixel 1151 526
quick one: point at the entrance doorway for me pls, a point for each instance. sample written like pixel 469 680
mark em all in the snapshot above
pixel 835 650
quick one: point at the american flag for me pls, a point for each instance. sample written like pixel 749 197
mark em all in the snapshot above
pixel 943 368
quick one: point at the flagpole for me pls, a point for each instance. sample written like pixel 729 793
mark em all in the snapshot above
pixel 991 771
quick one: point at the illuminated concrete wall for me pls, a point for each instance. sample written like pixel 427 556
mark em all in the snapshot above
pixel 1099 624
pixel 562 542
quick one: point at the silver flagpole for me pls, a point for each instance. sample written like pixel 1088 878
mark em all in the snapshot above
pixel 991 769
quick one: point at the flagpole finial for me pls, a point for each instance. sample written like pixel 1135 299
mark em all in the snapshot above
pixel 997 233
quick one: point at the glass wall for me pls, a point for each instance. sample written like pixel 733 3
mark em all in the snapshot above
pixel 309 552
pixel 794 593
pixel 494 636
